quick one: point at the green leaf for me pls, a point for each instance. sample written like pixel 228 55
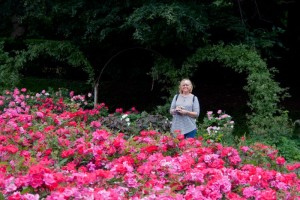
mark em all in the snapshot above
pixel 63 161
pixel 1 196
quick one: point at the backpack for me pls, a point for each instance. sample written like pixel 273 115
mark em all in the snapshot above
pixel 178 94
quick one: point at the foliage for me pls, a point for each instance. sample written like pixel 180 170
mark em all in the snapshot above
pixel 116 124
pixel 164 109
pixel 94 25
pixel 264 92
pixel 164 72
pixel 155 122
pixel 62 51
pixel 288 148
pixel 38 84
pixel 217 128
pixel 262 155
pixel 296 129
pixel 274 126
pixel 284 146
pixel 186 21
pixel 85 32
pixel 130 123
pixel 9 68
pixel 280 136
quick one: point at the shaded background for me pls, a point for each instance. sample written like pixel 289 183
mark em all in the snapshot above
pixel 125 82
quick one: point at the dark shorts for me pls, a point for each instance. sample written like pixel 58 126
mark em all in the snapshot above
pixel 191 134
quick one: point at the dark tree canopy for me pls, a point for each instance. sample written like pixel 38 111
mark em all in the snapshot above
pixel 171 32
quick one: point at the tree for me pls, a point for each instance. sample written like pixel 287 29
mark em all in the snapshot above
pixel 177 29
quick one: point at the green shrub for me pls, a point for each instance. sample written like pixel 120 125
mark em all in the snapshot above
pixel 279 135
pixel 289 148
pixel 217 128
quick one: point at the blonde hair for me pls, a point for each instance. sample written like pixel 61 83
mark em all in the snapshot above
pixel 191 86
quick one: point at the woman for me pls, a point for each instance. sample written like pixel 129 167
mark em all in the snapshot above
pixel 185 108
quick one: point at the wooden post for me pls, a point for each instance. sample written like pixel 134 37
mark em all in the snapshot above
pixel 96 95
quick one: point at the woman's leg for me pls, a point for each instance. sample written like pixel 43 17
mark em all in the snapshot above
pixel 191 134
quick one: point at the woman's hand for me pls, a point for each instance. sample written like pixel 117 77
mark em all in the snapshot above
pixel 184 112
pixel 181 110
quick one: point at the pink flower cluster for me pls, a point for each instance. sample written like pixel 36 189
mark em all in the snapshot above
pixel 46 154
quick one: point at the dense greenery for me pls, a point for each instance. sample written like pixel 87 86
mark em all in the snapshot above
pixel 180 35
pixel 63 51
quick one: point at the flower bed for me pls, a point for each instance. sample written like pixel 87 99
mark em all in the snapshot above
pixel 52 148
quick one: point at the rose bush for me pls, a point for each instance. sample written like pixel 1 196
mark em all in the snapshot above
pixel 52 148
pixel 217 128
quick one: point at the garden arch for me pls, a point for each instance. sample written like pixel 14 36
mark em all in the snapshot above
pixel 264 92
